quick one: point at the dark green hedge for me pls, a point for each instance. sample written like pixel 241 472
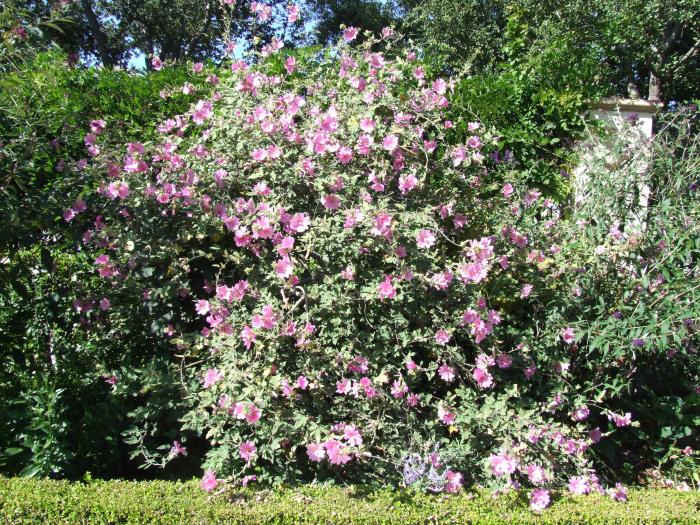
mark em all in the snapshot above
pixel 29 501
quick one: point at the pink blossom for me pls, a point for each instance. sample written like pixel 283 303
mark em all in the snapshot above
pixel 442 337
pixel 352 436
pixel 459 154
pixel 454 482
pixel 536 474
pixel 248 336
pixel 386 289
pixel 212 376
pixel 622 420
pixel 446 416
pixel 209 481
pixel 299 223
pixel 539 499
pixel 246 450
pixel 284 268
pixel 350 34
pixel 315 451
pixel 202 307
pixel 390 143
pixel 581 413
pixel 447 373
pixel 302 382
pixel 482 378
pixel 177 449
pixel 331 201
pixel 619 493
pixel 292 13
pixel 344 155
pixel 595 435
pixel 504 361
pixel 367 125
pixel 525 291
pixel 578 485
pixel 567 334
pixel 425 239
pixel 407 183
pixel 253 414
pixel 502 464
pixel 104 304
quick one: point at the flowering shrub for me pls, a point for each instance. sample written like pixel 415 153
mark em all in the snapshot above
pixel 333 314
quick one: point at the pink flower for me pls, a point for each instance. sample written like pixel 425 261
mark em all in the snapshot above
pixel 352 436
pixel 386 289
pixel 284 268
pixel 536 474
pixel 504 361
pixel 425 239
pixel 502 464
pixel 595 435
pixel 407 183
pixel 539 499
pixel 331 201
pixel 581 413
pixel 619 493
pixel 209 481
pixel 390 143
pixel 367 125
pixel 454 482
pixel 458 156
pixel 299 223
pixel 567 334
pixel 315 451
pixel 292 13
pixel 578 485
pixel 447 373
pixel 446 416
pixel 157 63
pixel 350 34
pixel 344 155
pixel 482 378
pixel 253 414
pixel 104 304
pixel 248 336
pixel 202 307
pixel 212 376
pixel 246 450
pixel 302 382
pixel 507 190
pixel 526 290
pixel 177 449
pixel 622 420
pixel 290 65
pixel 440 86
pixel 442 337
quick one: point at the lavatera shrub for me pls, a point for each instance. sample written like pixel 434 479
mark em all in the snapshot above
pixel 332 314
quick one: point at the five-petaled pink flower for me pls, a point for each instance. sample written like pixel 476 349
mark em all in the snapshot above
pixel 209 481
pixel 212 376
pixel 442 337
pixel 246 450
pixel 567 334
pixel 539 499
pixel 386 289
pixel 350 34
pixel 425 239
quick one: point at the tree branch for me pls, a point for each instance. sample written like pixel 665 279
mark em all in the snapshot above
pixel 691 52
pixel 97 34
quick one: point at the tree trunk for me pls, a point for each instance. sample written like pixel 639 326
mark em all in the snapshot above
pixel 97 34
pixel 654 87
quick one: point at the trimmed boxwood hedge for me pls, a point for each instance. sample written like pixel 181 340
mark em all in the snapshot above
pixel 29 501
